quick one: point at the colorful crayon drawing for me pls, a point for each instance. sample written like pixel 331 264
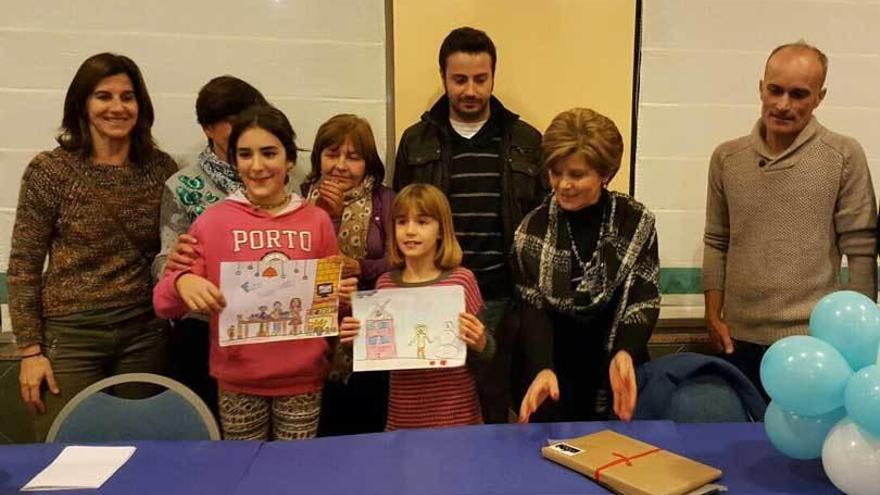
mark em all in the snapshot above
pixel 279 299
pixel 413 328
pixel 379 333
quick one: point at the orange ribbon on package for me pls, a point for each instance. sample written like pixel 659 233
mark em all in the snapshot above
pixel 622 460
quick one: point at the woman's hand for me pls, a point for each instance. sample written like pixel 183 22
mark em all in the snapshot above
pixel 347 287
pixel 544 385
pixel 330 197
pixel 200 294
pixel 348 330
pixel 183 255
pixel 623 385
pixel 34 370
pixel 350 266
pixel 472 331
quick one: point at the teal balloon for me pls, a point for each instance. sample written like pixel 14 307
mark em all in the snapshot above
pixel 805 375
pixel 862 399
pixel 850 322
pixel 796 435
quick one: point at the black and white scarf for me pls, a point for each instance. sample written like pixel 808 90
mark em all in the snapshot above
pixel 624 263
pixel 224 175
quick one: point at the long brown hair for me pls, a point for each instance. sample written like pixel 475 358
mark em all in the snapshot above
pixel 74 134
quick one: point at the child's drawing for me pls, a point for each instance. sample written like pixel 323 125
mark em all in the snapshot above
pixel 421 340
pixel 278 299
pixel 450 345
pixel 408 328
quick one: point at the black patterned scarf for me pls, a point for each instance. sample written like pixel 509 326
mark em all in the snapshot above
pixel 224 175
pixel 624 262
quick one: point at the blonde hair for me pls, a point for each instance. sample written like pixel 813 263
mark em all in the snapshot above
pixel 429 201
pixel 584 131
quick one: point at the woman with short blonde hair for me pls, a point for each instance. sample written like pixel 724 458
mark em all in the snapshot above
pixel 587 275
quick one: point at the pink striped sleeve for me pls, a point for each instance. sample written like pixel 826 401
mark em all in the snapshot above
pixel 473 300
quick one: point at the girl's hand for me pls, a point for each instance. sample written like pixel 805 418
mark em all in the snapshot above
pixel 183 255
pixel 544 385
pixel 347 287
pixel 34 370
pixel 200 294
pixel 472 331
pixel 349 329
pixel 623 385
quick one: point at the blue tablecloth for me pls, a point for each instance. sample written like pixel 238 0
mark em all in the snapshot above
pixel 496 459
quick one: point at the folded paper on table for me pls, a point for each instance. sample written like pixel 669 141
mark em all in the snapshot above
pixel 631 467
pixel 80 467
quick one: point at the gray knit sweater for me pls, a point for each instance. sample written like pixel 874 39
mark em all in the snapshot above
pixel 776 228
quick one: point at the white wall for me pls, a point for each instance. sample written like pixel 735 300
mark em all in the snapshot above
pixel 312 58
pixel 701 63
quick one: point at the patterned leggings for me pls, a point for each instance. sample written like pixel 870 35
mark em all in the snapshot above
pixel 254 417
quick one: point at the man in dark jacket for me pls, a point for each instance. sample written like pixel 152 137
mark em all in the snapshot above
pixel 488 162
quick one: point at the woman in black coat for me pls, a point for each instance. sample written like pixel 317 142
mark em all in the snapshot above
pixel 587 279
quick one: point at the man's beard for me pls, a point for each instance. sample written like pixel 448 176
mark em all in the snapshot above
pixel 471 115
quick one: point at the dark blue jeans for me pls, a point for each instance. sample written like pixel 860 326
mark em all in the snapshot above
pixel 747 357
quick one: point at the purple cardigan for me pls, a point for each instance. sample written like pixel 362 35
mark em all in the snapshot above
pixel 375 264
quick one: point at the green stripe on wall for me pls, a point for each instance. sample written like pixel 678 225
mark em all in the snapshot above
pixel 4 291
pixel 681 281
pixel 690 280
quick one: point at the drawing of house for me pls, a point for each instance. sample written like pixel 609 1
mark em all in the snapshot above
pixel 321 318
pixel 379 333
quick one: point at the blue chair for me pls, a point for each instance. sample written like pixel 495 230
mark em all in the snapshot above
pixel 696 388
pixel 92 415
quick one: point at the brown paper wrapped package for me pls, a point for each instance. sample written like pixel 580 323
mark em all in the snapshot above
pixel 630 467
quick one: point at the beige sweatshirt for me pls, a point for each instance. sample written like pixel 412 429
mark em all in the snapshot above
pixel 776 228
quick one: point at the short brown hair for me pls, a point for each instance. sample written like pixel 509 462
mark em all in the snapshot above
pixel 584 131
pixel 429 201
pixel 333 134
pixel 468 40
pixel 75 135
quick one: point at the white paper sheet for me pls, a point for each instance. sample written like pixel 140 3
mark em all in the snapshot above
pixel 80 467
pixel 413 328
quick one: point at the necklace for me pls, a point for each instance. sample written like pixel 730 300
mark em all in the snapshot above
pixel 577 255
pixel 269 206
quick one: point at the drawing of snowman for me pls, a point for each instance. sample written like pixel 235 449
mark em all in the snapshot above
pixel 450 345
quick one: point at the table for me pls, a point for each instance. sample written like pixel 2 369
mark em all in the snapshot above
pixel 492 459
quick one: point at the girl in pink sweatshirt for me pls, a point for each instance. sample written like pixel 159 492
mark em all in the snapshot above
pixel 268 390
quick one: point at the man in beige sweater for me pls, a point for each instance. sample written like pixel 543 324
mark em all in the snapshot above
pixel 784 204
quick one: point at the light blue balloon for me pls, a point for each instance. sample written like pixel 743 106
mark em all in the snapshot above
pixel 850 322
pixel 798 436
pixel 862 399
pixel 805 375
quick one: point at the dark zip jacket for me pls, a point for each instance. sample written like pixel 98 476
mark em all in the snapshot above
pixel 425 152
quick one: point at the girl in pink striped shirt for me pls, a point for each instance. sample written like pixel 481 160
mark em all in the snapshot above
pixel 424 252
